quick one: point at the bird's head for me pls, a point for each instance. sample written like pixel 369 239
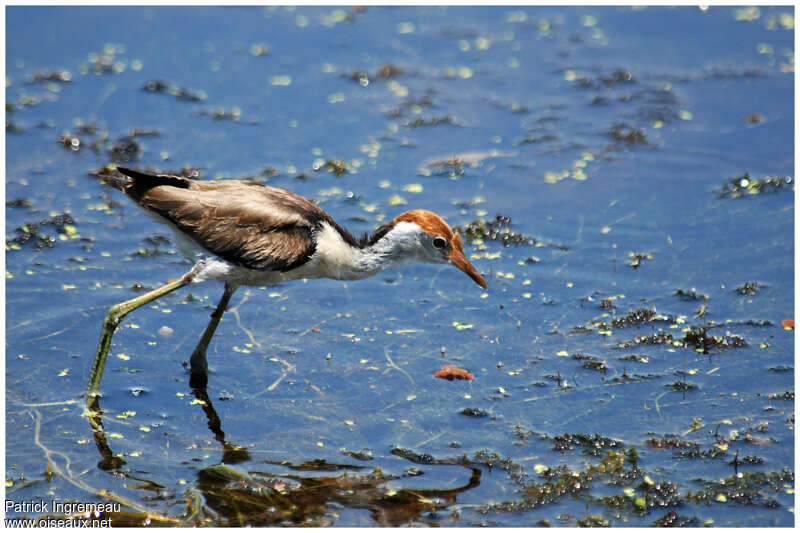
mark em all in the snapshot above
pixel 433 241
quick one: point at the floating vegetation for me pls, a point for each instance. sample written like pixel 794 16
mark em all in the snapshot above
pixel 559 379
pixel 518 108
pixel 610 80
pixel 494 230
pixel 638 358
pixel 70 142
pixel 30 232
pixel 748 460
pixel 512 106
pixel 414 457
pixel 181 93
pixel 125 150
pixel 650 495
pixel 594 520
pixel 657 105
pixel 607 304
pixel 336 166
pixel 627 134
pixel 502 220
pixel 12 127
pixel 58 76
pixel 234 114
pixel 616 77
pixel 722 73
pixel 452 167
pixel 788 395
pixel 779 369
pixel 559 482
pixel 749 322
pixel 633 378
pixel 19 202
pixel 384 72
pixel 749 288
pixel 107 62
pixel 591 362
pixel 474 412
pixel 671 443
pixel 744 185
pixel 592 445
pixel 455 165
pixel 451 372
pixel 363 455
pixel 533 139
pixel 136 132
pixel 660 337
pixel 436 120
pixel 494 460
pixel 25 100
pixel 640 493
pixel 690 295
pixel 637 258
pixel 714 452
pixel 698 339
pixel 683 386
pixel 673 519
pixel 388 71
pixel 744 488
pixel 86 128
pixel 635 318
pixel 155 241
pixel 259 49
pixel 414 104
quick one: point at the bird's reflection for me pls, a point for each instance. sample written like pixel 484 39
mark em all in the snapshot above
pixel 108 462
pixel 308 495
pixel 231 453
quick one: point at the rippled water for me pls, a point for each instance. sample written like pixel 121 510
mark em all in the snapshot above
pixel 629 359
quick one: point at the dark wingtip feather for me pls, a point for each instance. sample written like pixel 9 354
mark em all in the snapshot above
pixel 146 180
pixel 118 180
pixel 135 174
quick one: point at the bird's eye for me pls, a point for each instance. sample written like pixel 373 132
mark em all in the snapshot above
pixel 439 242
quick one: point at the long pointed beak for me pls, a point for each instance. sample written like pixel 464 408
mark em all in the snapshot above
pixel 458 259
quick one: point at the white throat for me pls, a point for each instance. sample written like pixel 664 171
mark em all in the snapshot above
pixel 337 259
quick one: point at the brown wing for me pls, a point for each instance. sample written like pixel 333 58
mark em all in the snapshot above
pixel 245 223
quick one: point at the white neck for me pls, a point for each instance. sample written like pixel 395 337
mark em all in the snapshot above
pixel 340 260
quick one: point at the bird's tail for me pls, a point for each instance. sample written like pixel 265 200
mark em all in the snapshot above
pixel 135 183
pixel 147 180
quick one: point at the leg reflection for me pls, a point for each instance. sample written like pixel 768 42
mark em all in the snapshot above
pixel 232 453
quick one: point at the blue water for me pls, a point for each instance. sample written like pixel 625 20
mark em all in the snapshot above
pixel 527 99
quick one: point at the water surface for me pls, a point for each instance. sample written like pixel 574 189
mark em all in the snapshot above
pixel 620 376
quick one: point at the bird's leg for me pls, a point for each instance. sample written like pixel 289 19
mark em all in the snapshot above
pixel 113 318
pixel 198 363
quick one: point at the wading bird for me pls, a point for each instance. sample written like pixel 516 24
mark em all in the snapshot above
pixel 245 233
